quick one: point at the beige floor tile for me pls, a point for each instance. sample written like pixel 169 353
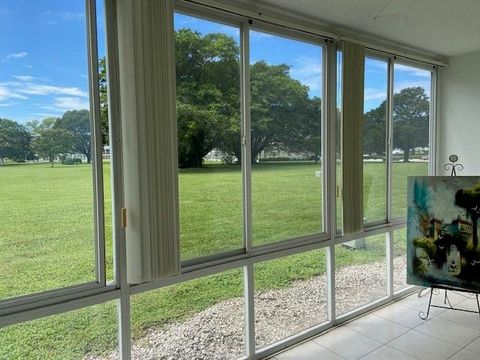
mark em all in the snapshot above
pixel 474 346
pixel 465 355
pixel 377 328
pixel 448 331
pixel 423 346
pixel 387 353
pixel 347 343
pixel 400 314
pixel 308 351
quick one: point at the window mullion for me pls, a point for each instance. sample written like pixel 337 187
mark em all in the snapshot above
pixel 389 135
pixel 96 141
pixel 246 135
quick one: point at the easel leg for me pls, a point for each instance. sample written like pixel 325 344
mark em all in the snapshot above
pixel 478 304
pixel 420 314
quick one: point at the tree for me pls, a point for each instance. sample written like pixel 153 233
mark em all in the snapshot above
pixel 374 130
pixel 52 142
pixel 280 108
pixel 410 123
pixel 14 140
pixel 469 199
pixel 102 84
pixel 410 120
pixel 78 123
pixel 208 93
pixel 308 136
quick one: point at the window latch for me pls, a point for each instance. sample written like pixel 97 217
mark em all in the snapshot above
pixel 124 218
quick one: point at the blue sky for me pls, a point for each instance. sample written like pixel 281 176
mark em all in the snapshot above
pixel 305 60
pixel 43 58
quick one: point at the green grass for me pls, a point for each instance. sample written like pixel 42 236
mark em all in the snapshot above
pixel 46 241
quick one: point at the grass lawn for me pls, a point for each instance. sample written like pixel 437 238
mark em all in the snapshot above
pixel 47 231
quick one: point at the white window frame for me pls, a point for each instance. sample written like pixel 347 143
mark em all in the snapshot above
pixel 41 299
pixel 63 300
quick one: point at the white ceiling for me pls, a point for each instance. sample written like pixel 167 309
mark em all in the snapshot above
pixel 442 27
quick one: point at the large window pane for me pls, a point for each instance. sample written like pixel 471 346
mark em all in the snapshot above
pixel 338 143
pixel 374 137
pixel 90 333
pixel 361 273
pixel 208 114
pixel 287 170
pixel 399 260
pixel 198 319
pixel 411 110
pixel 47 231
pixel 290 295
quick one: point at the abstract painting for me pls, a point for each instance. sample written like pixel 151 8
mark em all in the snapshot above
pixel 442 231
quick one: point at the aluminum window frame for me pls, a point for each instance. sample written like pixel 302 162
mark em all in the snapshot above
pixel 31 301
pixel 90 294
pixel 245 24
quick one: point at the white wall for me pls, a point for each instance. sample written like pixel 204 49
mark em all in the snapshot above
pixel 459 113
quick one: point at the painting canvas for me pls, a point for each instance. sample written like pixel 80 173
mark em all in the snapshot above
pixel 442 231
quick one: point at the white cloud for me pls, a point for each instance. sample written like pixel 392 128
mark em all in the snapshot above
pixel 71 103
pixel 27 87
pixel 18 55
pixel 308 70
pixel 375 94
pixel 257 35
pixel 7 93
pixel 400 85
pixel 413 71
pixel 65 16
pixel 41 89
pixel 48 115
pixel 24 77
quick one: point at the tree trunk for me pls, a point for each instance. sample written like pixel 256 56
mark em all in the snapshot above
pixel 406 154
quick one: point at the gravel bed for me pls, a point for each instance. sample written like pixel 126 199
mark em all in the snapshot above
pixel 217 333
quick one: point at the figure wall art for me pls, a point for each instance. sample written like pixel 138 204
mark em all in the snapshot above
pixel 442 232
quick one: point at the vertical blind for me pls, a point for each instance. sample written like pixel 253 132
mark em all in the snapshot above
pixel 352 136
pixel 147 93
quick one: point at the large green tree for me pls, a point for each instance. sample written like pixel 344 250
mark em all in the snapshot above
pixel 280 108
pixel 102 84
pixel 208 93
pixel 50 140
pixel 14 140
pixel 78 123
pixel 410 123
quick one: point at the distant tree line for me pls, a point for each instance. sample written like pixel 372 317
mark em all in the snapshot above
pixel 48 139
pixel 283 115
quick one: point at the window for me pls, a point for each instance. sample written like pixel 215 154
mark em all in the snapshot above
pixel 89 333
pixel 360 275
pixel 51 236
pixel 252 171
pixel 374 140
pixel 290 295
pixel 286 137
pixel 208 116
pixel 410 131
pixel 198 319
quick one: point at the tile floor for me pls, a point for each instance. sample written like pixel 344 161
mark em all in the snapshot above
pixel 396 332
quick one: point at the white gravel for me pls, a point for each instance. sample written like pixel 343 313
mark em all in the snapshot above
pixel 217 333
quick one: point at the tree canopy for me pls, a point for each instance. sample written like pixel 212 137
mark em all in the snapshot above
pixel 51 141
pixel 78 123
pixel 14 140
pixel 410 123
